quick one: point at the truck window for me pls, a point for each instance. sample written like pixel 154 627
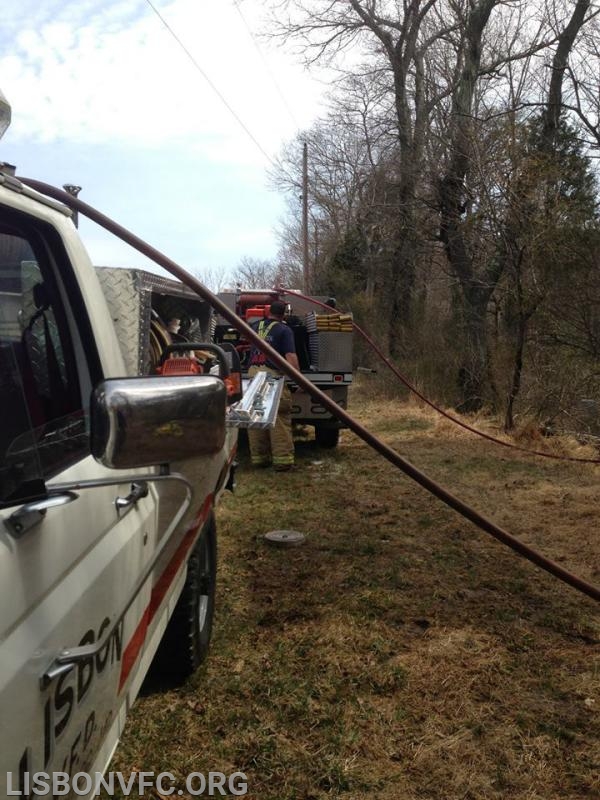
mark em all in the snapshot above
pixel 42 426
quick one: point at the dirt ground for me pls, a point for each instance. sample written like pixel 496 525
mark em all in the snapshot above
pixel 398 653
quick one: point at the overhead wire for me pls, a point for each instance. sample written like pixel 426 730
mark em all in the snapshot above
pixel 221 96
pixel 211 83
pixel 267 66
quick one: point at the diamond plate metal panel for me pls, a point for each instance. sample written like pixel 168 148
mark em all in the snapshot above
pixel 132 296
pixel 331 351
pixel 131 318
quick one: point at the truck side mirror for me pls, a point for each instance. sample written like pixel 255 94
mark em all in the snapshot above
pixel 143 422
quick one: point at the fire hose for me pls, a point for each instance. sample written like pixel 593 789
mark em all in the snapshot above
pixel 412 388
pixel 376 444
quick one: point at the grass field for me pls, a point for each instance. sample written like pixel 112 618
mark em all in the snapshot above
pixel 398 653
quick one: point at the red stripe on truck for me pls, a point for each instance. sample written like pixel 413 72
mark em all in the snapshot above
pixel 159 590
pixel 133 647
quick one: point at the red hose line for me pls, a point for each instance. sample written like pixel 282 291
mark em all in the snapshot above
pixel 431 404
pixel 387 452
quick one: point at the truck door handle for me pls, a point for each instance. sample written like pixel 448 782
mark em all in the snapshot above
pixel 31 513
pixel 125 504
pixel 68 658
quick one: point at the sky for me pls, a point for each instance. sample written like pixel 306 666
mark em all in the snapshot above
pixel 104 97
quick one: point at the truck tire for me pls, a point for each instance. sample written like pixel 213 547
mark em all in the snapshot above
pixel 327 436
pixel 186 641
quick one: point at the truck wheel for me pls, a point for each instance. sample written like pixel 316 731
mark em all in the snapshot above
pixel 187 638
pixel 326 436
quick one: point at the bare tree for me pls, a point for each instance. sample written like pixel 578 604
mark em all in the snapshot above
pixel 254 273
pixel 341 163
pixel 550 197
pixel 478 280
pixel 213 278
pixel 395 37
pixel 581 73
pixel 429 138
pixel 476 284
pixel 566 40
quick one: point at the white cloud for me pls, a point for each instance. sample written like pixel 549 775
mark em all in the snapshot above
pixel 92 72
pixel 103 96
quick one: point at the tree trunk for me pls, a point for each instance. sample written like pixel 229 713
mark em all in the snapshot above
pixel 560 61
pixel 476 290
pixel 399 293
pixel 515 387
pixel 473 372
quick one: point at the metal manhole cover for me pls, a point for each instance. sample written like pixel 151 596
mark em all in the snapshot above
pixel 285 538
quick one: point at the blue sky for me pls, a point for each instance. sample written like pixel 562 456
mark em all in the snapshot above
pixel 103 96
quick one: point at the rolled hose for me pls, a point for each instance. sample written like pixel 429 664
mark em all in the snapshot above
pixel 376 444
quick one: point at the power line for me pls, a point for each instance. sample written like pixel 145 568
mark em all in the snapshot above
pixel 266 65
pixel 211 84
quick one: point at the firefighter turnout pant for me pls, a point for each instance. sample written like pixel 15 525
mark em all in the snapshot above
pixel 273 445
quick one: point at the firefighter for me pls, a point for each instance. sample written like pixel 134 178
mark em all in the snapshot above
pixel 276 445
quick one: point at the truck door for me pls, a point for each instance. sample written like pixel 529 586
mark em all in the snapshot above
pixel 67 566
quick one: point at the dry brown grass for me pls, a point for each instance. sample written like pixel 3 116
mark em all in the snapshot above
pixel 399 653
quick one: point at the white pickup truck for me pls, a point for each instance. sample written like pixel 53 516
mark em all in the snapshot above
pixel 109 476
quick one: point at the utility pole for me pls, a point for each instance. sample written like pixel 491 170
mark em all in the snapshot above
pixel 305 265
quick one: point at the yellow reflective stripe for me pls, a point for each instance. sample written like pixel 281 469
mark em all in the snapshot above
pixel 262 332
pixel 283 459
